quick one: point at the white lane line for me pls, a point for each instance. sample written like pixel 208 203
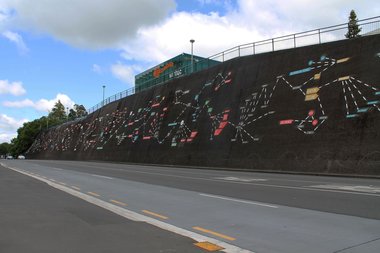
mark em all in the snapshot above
pixel 242 179
pixel 238 200
pixel 56 168
pixel 356 188
pixel 304 188
pixel 94 175
pixel 228 248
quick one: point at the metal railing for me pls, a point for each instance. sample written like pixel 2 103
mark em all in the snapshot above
pixel 311 37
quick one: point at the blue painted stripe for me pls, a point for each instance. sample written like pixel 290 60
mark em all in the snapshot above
pixel 352 116
pixel 300 71
pixel 172 124
pixel 378 93
pixel 363 109
pixel 373 102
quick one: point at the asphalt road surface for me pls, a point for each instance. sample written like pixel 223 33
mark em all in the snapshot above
pixel 258 212
pixel 37 218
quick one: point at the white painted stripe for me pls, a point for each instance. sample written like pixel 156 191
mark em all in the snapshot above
pixel 238 200
pixel 241 179
pixel 304 188
pixel 356 188
pixel 228 248
pixel 56 168
pixel 94 175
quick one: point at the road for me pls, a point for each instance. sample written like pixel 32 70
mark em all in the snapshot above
pixel 258 212
pixel 37 218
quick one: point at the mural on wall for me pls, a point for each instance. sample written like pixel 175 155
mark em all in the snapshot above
pixel 174 121
pixel 359 96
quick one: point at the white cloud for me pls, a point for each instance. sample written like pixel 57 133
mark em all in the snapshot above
pixel 7 137
pixel 212 33
pixel 126 73
pixel 97 69
pixel 17 39
pixel 8 127
pixel 42 104
pixel 249 21
pixel 272 16
pixel 8 123
pixel 13 88
pixel 89 23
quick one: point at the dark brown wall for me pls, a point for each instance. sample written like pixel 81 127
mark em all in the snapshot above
pixel 248 113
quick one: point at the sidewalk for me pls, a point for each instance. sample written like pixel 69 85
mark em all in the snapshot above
pixel 35 217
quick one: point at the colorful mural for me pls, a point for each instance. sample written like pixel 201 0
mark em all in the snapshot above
pixel 243 104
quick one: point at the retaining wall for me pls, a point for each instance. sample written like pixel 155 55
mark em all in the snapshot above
pixel 310 109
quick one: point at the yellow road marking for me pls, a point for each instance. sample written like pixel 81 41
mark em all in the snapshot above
pixel 76 188
pixel 155 214
pixel 94 194
pixel 118 202
pixel 208 246
pixel 229 238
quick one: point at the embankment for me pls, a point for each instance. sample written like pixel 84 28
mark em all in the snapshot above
pixel 310 109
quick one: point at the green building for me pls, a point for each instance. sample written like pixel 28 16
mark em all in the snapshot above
pixel 173 68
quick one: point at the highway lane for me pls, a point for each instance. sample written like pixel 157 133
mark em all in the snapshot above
pixel 37 218
pixel 255 211
pixel 320 193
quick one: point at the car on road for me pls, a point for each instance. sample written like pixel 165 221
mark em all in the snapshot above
pixel 9 157
pixel 21 157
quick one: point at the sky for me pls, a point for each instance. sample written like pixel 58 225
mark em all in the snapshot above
pixel 67 50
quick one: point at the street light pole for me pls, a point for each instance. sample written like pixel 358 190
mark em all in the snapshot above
pixel 192 55
pixel 104 89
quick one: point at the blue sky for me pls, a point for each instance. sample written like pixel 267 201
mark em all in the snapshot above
pixel 52 49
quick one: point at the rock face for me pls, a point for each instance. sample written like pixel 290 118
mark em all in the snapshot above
pixel 310 109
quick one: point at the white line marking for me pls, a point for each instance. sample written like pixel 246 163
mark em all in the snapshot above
pixel 238 200
pixel 241 179
pixel 228 248
pixel 56 168
pixel 94 175
pixel 306 188
pixel 358 188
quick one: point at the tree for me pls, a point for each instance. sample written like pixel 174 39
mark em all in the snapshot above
pixel 72 114
pixel 5 148
pixel 77 112
pixel 80 110
pixel 25 136
pixel 58 112
pixel 353 27
pixel 29 131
